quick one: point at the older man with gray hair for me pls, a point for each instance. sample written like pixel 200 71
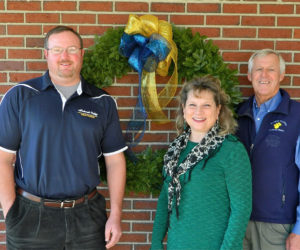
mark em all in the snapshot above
pixel 269 127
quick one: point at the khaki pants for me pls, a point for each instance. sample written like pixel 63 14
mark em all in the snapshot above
pixel 266 236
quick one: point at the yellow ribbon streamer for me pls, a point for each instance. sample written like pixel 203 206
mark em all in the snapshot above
pixel 154 102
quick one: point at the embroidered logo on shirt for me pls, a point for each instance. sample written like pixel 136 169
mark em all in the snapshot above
pixel 278 125
pixel 89 114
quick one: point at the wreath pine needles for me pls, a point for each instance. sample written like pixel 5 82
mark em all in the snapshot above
pixel 197 56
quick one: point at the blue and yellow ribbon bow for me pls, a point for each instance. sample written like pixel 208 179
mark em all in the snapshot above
pixel 148 44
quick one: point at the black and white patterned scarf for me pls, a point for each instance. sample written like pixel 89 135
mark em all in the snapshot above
pixel 208 144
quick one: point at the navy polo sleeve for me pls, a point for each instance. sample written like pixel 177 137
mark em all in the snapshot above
pixel 113 140
pixel 10 135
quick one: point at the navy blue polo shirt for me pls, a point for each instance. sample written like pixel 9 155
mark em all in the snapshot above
pixel 58 143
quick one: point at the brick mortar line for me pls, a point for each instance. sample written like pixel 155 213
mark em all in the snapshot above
pixel 165 13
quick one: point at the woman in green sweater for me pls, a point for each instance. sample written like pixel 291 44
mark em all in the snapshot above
pixel 205 201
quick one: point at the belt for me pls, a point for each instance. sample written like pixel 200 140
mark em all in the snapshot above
pixel 67 203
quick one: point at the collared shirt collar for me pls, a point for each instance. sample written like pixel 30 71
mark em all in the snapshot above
pixel 260 112
pixel 269 105
pixel 79 89
pixel 46 83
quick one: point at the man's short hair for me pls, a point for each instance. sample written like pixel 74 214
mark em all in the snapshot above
pixel 265 52
pixel 60 29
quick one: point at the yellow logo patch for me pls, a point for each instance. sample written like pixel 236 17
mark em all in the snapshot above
pixel 277 125
pixel 88 114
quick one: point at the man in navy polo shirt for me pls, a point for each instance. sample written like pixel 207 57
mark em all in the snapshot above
pixel 53 129
pixel 269 127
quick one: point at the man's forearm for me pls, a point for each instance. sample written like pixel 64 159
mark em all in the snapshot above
pixel 116 175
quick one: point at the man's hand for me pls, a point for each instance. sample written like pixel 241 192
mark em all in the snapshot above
pixel 293 242
pixel 113 231
pixel 7 181
pixel 6 206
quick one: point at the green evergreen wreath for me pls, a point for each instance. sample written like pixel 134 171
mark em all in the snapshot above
pixel 197 56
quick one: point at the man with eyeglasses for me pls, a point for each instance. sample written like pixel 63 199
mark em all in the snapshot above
pixel 53 129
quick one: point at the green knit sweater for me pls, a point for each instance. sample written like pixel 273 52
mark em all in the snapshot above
pixel 215 203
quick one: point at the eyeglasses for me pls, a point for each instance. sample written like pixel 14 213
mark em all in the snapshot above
pixel 58 50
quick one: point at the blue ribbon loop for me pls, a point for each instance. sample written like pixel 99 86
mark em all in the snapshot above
pixel 144 54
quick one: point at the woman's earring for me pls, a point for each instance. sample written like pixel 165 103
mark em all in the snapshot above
pixel 217 122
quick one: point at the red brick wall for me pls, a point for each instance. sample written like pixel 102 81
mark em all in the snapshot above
pixel 237 27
